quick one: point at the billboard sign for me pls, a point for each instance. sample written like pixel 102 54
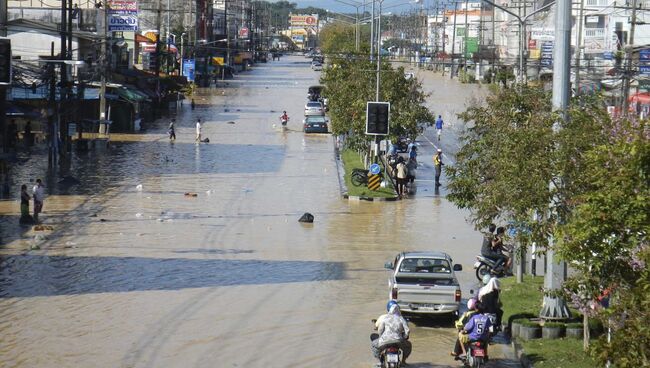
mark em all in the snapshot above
pixel 243 32
pixel 122 15
pixel 303 20
pixel 189 66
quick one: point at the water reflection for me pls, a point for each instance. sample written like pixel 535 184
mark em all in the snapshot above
pixel 41 275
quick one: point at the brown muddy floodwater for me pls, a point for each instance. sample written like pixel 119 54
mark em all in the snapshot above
pixel 137 274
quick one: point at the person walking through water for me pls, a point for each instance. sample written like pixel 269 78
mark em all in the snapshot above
pixel 402 175
pixel 25 218
pixel 38 192
pixel 437 163
pixel 439 124
pixel 172 131
pixel 198 130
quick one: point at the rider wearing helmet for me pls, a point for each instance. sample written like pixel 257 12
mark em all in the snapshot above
pixel 393 329
pixel 463 339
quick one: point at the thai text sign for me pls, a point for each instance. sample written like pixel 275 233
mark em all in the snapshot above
pixel 122 15
pixel 303 20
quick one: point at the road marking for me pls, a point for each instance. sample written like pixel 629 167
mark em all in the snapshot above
pixel 436 147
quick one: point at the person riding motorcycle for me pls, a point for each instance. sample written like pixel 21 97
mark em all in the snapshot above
pixel 478 328
pixel 488 296
pixel 284 118
pixel 491 248
pixel 463 339
pixel 393 329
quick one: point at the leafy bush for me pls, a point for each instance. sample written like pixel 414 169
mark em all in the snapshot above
pixel 554 325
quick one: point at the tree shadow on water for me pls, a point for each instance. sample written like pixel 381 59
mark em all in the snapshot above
pixel 42 275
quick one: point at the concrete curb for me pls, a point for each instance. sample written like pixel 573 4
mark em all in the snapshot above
pixel 344 190
pixel 521 355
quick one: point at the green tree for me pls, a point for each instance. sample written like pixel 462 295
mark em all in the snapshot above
pixel 606 238
pixel 350 84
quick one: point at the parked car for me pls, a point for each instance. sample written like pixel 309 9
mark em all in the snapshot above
pixel 315 124
pixel 424 283
pixel 316 66
pixel 314 108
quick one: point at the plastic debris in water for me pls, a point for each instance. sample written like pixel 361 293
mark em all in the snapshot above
pixel 138 215
pixel 188 194
pixel 138 187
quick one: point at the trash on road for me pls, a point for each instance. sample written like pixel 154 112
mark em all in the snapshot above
pixel 307 217
pixel 189 194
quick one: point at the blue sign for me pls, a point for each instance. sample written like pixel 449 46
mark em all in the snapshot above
pixel 608 55
pixel 375 169
pixel 644 69
pixel 189 66
pixel 644 55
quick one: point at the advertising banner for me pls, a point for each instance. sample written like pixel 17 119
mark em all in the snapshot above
pixel 122 15
pixel 303 20
pixel 189 66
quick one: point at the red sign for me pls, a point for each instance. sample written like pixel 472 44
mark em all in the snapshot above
pixel 532 44
pixel 243 32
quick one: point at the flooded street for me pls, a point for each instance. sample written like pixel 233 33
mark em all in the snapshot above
pixel 136 273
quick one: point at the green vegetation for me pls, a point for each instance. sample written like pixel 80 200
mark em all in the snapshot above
pixel 557 353
pixel 351 82
pixel 352 160
pixel 554 325
pixel 583 181
pixel 521 301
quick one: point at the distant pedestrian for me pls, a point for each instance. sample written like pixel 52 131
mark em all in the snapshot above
pixel 402 175
pixel 193 104
pixel 438 164
pixel 38 192
pixel 172 131
pixel 439 124
pixel 12 133
pixel 27 134
pixel 24 202
pixel 198 130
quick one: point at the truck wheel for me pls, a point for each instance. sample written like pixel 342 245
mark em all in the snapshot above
pixel 481 271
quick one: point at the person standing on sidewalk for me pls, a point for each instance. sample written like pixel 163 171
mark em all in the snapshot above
pixel 198 130
pixel 38 192
pixel 439 124
pixel 437 163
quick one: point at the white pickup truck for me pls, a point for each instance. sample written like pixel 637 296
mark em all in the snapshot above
pixel 424 283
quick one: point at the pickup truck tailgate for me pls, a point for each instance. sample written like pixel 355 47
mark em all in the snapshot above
pixel 426 290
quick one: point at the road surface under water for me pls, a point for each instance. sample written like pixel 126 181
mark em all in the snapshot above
pixel 137 274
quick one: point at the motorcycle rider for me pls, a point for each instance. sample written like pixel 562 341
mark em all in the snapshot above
pixel 488 249
pixel 284 118
pixel 499 247
pixel 478 328
pixel 392 328
pixel 488 296
pixel 463 339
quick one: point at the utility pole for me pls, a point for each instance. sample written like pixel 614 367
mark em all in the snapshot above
pixel 628 62
pixel 63 128
pixel 372 31
pixel 554 307
pixel 104 57
pixel 466 36
pixel 453 41
pixel 3 89
pixel 579 45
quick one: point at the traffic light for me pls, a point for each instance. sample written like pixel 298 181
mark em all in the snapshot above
pixel 5 61
pixel 377 117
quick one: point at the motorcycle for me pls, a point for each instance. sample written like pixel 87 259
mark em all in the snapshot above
pixel 485 266
pixel 476 355
pixel 391 356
